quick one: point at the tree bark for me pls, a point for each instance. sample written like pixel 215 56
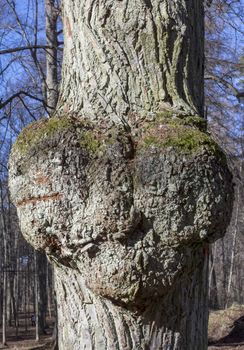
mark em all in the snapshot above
pixel 213 288
pixel 125 190
pixel 43 298
pixel 234 241
pixel 175 322
pixel 132 57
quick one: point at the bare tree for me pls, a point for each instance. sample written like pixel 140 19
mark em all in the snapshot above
pixel 38 61
pixel 4 265
pixel 52 13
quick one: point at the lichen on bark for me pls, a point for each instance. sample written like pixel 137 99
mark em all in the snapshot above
pixel 127 193
pixel 128 219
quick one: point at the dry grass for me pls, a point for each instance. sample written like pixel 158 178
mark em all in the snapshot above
pixel 223 331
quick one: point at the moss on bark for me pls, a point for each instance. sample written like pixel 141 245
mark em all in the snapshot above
pixel 186 135
pixel 46 129
pixel 37 131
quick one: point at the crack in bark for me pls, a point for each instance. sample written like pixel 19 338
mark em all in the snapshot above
pixel 34 200
pixel 148 4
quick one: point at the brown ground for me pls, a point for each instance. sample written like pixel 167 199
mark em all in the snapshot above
pixel 226 329
pixel 25 340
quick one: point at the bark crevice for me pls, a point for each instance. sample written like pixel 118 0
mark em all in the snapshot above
pixel 143 188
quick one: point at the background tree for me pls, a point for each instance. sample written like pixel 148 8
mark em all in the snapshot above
pixel 30 65
pixel 224 110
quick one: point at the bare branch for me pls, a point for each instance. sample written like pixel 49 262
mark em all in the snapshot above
pixel 227 84
pixel 18 95
pixel 23 48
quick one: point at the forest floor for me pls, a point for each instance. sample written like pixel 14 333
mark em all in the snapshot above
pixel 25 339
pixel 226 332
pixel 226 328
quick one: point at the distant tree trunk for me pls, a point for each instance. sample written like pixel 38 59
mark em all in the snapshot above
pixel 234 240
pixel 16 287
pixel 55 335
pixel 123 189
pixel 4 321
pixel 11 312
pixel 49 287
pixel 51 55
pixel 213 289
pixel 224 274
pixel 5 261
pixel 36 297
pixel 26 286
pixel 42 273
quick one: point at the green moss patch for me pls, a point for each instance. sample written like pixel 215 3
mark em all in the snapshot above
pixel 186 134
pixel 46 129
pixel 38 131
pixel 89 141
pixel 184 138
pixel 195 121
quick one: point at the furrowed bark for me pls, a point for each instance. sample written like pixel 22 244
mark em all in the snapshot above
pixel 127 57
pixel 176 322
pixel 123 188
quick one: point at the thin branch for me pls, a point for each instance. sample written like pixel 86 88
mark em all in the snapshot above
pixel 27 108
pixel 227 84
pixel 7 66
pixel 29 47
pixel 17 95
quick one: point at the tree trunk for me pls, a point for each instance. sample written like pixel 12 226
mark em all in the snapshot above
pixel 49 287
pixel 42 274
pixel 176 322
pixel 234 241
pixel 4 321
pixel 16 286
pixel 4 265
pixel 213 289
pixel 132 57
pixel 51 55
pixel 125 190
pixel 36 298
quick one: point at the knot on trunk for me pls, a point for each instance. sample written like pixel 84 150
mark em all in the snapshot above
pixel 129 211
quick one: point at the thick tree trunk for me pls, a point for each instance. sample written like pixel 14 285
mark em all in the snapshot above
pixel 175 322
pixel 132 57
pixel 125 190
